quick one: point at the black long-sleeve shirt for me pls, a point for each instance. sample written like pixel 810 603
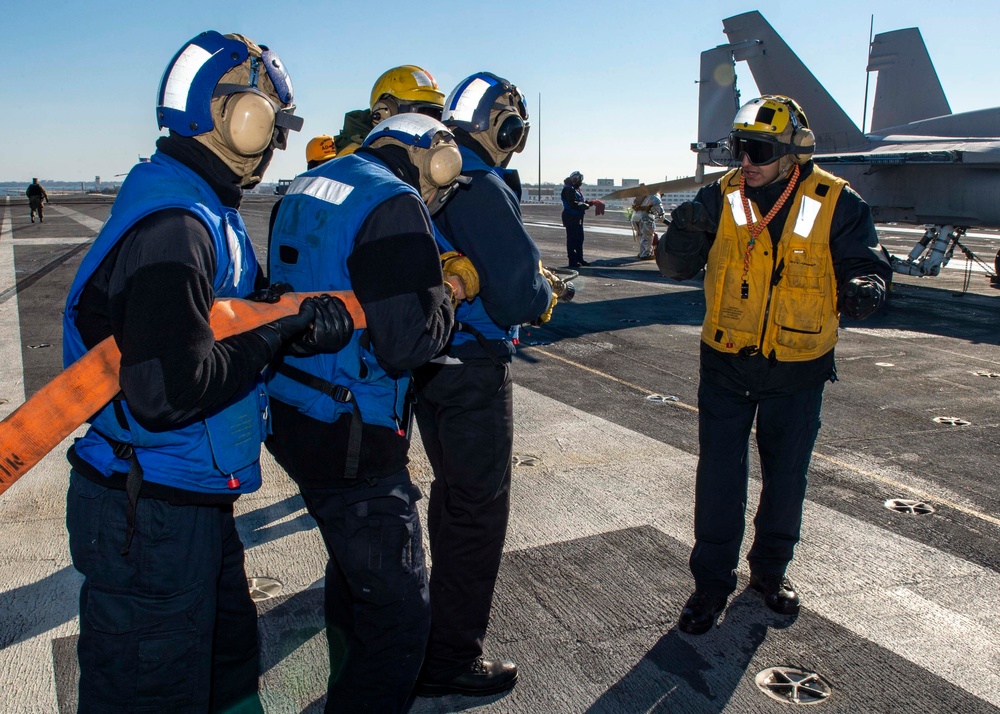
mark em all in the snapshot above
pixel 483 221
pixel 153 292
pixel 396 275
pixel 855 251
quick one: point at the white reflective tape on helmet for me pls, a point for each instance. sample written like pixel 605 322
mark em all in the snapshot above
pixel 423 79
pixel 736 206
pixel 463 107
pixel 182 74
pixel 808 211
pixel 322 188
pixel 411 129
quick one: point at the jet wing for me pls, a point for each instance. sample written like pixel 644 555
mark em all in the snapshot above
pixel 684 184
pixel 900 150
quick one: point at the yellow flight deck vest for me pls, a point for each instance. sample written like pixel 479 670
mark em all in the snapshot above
pixel 791 303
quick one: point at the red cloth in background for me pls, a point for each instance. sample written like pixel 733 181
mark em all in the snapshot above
pixel 598 207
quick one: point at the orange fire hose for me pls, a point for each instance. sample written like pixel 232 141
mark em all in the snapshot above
pixel 78 392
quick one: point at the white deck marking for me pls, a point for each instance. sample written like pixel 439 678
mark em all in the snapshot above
pixel 81 218
pixel 883 587
pixel 11 367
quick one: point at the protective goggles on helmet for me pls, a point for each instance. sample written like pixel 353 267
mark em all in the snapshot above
pixel 760 150
pixel 427 109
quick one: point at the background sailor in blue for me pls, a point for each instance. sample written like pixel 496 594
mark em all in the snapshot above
pixel 464 398
pixel 574 209
pixel 166 621
pixel 341 422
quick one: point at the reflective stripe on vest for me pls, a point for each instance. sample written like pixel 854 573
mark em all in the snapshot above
pixel 791 306
pixel 313 235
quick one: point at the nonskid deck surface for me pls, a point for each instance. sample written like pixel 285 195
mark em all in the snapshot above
pixel 899 610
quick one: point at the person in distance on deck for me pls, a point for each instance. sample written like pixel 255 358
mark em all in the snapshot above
pixel 788 247
pixel 36 196
pixel 574 208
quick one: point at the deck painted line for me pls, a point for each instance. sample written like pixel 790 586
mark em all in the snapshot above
pixel 71 240
pixel 81 218
pixel 11 366
pixel 881 586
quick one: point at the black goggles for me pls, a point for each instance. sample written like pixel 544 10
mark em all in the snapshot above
pixel 431 110
pixel 760 151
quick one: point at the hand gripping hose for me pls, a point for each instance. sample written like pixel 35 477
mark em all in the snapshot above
pixel 78 392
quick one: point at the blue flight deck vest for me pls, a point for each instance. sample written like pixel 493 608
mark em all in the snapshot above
pixel 313 235
pixel 202 456
pixel 571 209
pixel 473 314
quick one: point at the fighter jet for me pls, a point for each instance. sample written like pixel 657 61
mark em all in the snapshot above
pixel 918 164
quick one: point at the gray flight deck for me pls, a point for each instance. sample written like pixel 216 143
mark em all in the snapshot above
pixel 900 611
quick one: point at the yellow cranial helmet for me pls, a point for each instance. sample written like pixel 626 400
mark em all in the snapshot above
pixel 403 89
pixel 770 127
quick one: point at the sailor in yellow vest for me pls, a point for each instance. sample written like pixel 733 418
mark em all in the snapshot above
pixel 786 247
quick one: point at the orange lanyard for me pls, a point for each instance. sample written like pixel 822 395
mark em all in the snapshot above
pixel 756 228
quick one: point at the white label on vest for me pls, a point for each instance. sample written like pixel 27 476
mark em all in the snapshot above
pixel 736 206
pixel 808 210
pixel 322 188
pixel 236 252
pixel 182 74
pixel 464 105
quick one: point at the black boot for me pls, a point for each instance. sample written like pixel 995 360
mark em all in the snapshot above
pixel 779 593
pixel 483 677
pixel 700 611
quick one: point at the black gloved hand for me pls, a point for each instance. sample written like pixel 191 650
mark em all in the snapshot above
pixel 331 329
pixel 692 217
pixel 282 331
pixel 270 294
pixel 861 298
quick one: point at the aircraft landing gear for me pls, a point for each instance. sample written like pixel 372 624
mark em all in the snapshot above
pixel 931 253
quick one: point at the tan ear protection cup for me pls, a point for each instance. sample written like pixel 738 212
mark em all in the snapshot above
pixel 802 135
pixel 384 108
pixel 442 165
pixel 805 139
pixel 247 123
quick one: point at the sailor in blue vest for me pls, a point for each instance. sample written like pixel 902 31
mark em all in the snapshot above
pixel 166 620
pixel 574 208
pixel 464 397
pixel 341 422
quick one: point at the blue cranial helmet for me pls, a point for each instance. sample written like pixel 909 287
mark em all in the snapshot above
pixel 191 80
pixel 469 105
pixel 184 102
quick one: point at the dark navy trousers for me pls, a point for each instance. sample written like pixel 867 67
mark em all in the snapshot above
pixel 170 627
pixel 786 432
pixel 466 418
pixel 375 596
pixel 574 237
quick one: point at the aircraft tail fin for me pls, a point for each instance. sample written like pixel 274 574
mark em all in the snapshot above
pixel 777 70
pixel 908 88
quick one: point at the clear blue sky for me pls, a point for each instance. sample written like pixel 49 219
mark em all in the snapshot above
pixel 617 79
